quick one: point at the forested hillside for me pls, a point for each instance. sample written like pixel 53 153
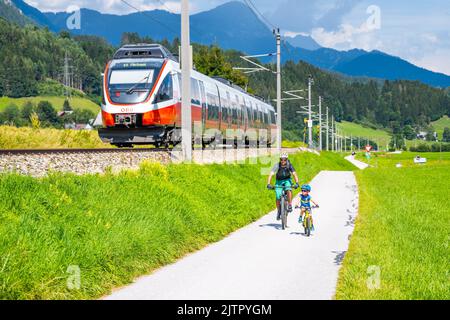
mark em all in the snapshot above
pixel 29 55
pixel 11 13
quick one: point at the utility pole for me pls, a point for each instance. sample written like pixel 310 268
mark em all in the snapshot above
pixel 186 62
pixel 332 134
pixel 328 134
pixel 320 123
pixel 338 139
pixel 279 132
pixel 67 74
pixel 310 139
pixel 339 132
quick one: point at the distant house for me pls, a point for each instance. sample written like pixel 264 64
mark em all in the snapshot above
pixel 422 135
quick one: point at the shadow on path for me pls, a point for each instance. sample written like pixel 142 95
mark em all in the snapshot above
pixel 339 257
pixel 271 225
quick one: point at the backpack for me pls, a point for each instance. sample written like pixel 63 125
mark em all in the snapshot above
pixel 284 173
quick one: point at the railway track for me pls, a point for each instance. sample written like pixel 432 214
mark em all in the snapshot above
pixel 100 150
pixel 79 151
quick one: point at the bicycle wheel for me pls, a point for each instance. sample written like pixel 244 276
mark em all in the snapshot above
pixel 283 214
pixel 308 226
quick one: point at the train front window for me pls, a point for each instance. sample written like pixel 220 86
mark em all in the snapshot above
pixel 131 83
pixel 165 92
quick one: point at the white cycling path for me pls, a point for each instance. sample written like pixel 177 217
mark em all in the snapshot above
pixel 359 164
pixel 261 261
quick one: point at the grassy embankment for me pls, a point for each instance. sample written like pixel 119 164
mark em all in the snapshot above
pixel 293 144
pixel 356 130
pixel 440 125
pixel 402 229
pixel 406 159
pixel 28 138
pixel 117 227
pixel 56 101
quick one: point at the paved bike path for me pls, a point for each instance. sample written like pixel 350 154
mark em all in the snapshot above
pixel 359 164
pixel 260 261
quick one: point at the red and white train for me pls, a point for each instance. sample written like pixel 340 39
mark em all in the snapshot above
pixel 142 103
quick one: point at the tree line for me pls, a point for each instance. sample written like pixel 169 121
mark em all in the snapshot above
pixel 43 114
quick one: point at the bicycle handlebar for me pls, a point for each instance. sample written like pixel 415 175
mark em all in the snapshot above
pixel 283 186
pixel 312 207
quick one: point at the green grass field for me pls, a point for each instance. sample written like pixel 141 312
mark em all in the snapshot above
pixel 293 144
pixel 416 142
pixel 356 130
pixel 57 102
pixel 440 125
pixel 406 159
pixel 400 246
pixel 117 227
pixel 46 138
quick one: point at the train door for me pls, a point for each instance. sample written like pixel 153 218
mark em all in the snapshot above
pixel 248 112
pixel 220 106
pixel 244 114
pixel 239 112
pixel 203 103
pixel 230 111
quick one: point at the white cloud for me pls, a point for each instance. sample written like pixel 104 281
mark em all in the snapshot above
pixel 292 34
pixel 348 37
pixel 437 61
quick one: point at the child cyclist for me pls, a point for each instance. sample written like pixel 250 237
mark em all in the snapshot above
pixel 305 201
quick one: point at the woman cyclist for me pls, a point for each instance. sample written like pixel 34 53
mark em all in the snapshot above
pixel 283 172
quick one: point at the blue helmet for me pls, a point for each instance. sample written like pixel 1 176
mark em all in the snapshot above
pixel 306 187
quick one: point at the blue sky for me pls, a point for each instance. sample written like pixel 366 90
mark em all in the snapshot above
pixel 418 31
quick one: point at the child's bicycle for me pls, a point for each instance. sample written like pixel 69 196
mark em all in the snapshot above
pixel 307 220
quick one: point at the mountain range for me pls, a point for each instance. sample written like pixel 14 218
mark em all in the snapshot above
pixel 235 26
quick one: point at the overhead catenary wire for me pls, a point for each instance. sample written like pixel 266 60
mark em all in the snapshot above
pixel 266 21
pixel 150 17
pixel 252 6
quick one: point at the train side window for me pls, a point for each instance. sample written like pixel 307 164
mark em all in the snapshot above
pixel 250 112
pixel 225 110
pixel 239 110
pixel 213 107
pixel 217 108
pixel 210 105
pixel 243 111
pixel 203 93
pixel 195 92
pixel 165 91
